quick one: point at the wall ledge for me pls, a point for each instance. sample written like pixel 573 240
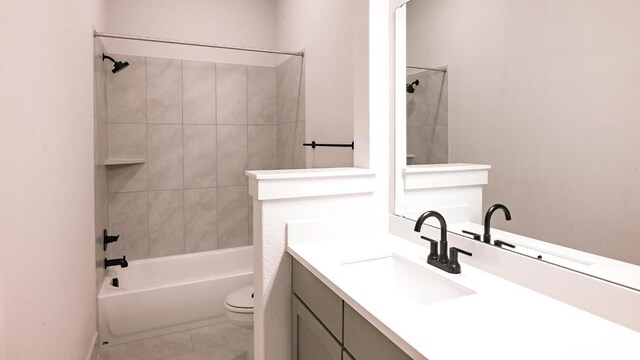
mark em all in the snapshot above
pixel 302 183
pixel 444 175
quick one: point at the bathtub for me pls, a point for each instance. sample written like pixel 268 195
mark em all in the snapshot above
pixel 168 294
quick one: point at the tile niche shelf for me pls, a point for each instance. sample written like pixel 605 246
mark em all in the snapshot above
pixel 114 162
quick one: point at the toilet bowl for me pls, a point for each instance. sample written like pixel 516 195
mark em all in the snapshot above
pixel 239 311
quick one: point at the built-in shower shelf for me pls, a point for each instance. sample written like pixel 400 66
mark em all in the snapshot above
pixel 112 162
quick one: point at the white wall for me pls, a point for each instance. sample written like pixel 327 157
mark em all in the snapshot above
pixel 547 94
pixel 325 29
pixel 47 275
pixel 249 23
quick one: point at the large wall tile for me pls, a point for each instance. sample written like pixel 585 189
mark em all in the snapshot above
pixel 284 147
pixel 99 81
pixel 199 156
pixel 298 149
pixel 231 93
pixel 199 92
pixel 233 221
pixel 127 178
pixel 127 91
pixel 128 217
pixel 164 91
pixel 165 157
pixel 261 95
pixel 417 101
pixel 201 219
pixel 231 155
pixel 429 144
pixel 262 147
pixel 288 90
pixel 166 223
pixel 127 141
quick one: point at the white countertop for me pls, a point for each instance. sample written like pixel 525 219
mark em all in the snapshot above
pixel 501 320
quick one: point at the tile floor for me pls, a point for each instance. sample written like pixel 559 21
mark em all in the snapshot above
pixel 223 341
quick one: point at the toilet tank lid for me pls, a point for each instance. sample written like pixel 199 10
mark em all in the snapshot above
pixel 242 299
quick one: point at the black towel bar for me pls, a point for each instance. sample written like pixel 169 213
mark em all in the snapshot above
pixel 313 145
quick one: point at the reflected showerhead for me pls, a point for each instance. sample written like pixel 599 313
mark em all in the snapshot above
pixel 117 65
pixel 412 87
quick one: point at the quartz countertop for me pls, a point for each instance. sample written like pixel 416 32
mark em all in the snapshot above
pixel 500 320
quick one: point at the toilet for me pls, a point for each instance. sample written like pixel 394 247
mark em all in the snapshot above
pixel 239 311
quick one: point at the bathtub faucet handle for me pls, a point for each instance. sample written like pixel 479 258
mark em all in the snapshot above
pixel 107 239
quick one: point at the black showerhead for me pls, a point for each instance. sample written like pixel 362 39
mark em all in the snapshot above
pixel 117 65
pixel 412 87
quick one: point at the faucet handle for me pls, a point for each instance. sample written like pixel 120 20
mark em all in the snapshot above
pixel 500 243
pixel 475 235
pixel 454 265
pixel 433 251
pixel 107 239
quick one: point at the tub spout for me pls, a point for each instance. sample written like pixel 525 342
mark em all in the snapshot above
pixel 115 262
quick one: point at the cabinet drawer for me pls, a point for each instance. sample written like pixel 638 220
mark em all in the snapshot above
pixel 364 341
pixel 309 339
pixel 323 302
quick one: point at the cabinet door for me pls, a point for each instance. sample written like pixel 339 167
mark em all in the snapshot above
pixel 322 301
pixel 364 341
pixel 346 356
pixel 310 340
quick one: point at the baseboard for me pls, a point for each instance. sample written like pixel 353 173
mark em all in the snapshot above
pixel 92 352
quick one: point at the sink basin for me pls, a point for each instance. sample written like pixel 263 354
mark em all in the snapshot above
pixel 396 280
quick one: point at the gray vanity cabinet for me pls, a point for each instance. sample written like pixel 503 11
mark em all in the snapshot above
pixel 310 339
pixel 324 327
pixel 346 356
pixel 321 300
pixel 364 341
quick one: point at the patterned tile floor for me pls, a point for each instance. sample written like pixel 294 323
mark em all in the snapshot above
pixel 223 341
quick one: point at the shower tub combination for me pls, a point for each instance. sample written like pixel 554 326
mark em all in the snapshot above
pixel 168 294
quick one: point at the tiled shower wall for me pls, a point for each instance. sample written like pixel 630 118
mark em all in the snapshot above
pixel 199 125
pixel 290 114
pixel 428 119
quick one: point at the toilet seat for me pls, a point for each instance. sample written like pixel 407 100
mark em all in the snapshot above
pixel 240 301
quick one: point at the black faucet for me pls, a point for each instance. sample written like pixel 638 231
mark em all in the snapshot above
pixel 440 260
pixel 487 220
pixel 115 262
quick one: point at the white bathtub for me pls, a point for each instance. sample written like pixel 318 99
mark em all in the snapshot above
pixel 168 294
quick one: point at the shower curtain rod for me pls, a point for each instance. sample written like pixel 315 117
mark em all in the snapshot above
pixel 191 43
pixel 425 68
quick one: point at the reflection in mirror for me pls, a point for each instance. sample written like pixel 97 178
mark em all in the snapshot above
pixel 427 115
pixel 547 95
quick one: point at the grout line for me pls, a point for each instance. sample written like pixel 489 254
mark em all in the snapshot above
pixel 146 121
pixel 184 217
pixel 246 167
pixel 217 158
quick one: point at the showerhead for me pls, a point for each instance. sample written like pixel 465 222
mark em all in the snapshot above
pixel 117 65
pixel 412 87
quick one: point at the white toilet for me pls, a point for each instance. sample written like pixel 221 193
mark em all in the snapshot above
pixel 239 311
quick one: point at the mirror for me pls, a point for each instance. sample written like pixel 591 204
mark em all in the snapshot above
pixel 547 94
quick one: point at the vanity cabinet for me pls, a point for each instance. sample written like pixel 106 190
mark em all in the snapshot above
pixel 310 339
pixel 324 327
pixel 364 341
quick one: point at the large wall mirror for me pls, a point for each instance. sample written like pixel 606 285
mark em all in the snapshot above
pixel 545 92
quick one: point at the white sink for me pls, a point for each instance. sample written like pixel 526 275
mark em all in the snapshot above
pixel 397 281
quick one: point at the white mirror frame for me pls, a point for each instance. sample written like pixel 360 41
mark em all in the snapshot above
pixel 400 108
